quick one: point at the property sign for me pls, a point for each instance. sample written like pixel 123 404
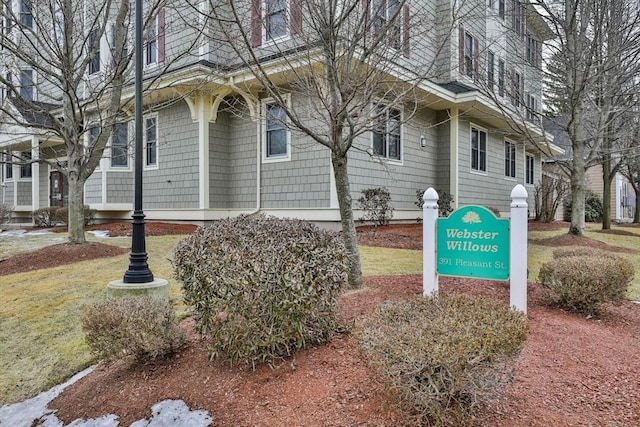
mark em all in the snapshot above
pixel 472 242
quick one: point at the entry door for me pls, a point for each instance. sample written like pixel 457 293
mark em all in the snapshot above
pixel 57 189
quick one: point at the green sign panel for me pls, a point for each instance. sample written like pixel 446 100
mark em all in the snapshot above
pixel 472 242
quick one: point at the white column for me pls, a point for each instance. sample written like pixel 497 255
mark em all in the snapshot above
pixel 454 160
pixel 429 219
pixel 518 249
pixel 35 175
pixel 203 104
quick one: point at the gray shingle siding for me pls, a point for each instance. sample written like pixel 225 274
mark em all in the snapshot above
pixel 93 188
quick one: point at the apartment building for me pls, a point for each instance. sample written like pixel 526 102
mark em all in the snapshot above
pixel 216 143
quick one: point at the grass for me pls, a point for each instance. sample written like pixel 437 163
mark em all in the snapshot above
pixel 41 342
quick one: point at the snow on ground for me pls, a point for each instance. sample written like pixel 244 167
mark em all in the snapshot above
pixel 174 413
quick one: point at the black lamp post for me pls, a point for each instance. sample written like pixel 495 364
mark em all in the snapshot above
pixel 138 271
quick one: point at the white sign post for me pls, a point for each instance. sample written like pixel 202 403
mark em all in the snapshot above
pixel 517 246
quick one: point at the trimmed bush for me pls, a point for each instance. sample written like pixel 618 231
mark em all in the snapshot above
pixel 443 357
pixel 62 215
pixel 139 328
pixel 581 251
pixel 445 202
pixel 583 283
pixel 45 217
pixel 260 286
pixel 376 204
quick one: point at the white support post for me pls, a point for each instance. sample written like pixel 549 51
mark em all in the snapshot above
pixel 429 217
pixel 518 249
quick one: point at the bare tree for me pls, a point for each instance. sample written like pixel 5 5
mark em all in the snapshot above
pixel 64 88
pixel 347 67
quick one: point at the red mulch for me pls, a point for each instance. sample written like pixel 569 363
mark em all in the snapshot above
pixel 572 371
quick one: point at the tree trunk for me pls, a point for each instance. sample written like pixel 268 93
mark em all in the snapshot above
pixel 577 191
pixel 346 217
pixel 76 209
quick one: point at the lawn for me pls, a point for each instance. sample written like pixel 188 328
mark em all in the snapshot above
pixel 41 342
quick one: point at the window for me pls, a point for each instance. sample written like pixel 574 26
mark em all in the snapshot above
pixel 490 70
pixel 386 17
pixel 154 46
pixel 7 16
pixel 276 20
pixel 532 108
pixel 501 8
pixel 8 166
pixel 26 17
pixel 518 17
pixel 517 87
pixel 6 89
pixel 501 77
pixel 478 150
pixel 386 133
pixel 25 167
pixel 151 141
pixel 120 146
pixel 93 42
pixel 534 51
pixel 276 131
pixel 26 84
pixel 509 159
pixel 529 172
pixel 497 4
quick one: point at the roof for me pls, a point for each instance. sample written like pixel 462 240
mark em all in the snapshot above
pixel 456 87
pixel 33 112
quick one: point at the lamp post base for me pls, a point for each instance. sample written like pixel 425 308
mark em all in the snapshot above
pixel 158 288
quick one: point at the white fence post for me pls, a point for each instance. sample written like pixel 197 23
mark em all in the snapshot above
pixel 429 217
pixel 518 249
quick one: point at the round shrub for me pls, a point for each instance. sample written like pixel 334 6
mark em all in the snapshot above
pixel 443 357
pixel 138 328
pixel 261 286
pixel 583 283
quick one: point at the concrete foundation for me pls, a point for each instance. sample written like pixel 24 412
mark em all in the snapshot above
pixel 159 288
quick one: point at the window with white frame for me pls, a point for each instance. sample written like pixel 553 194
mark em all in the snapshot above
pixel 501 8
pixel 276 19
pixel 529 173
pixel 534 50
pixel 478 150
pixel 26 84
pixel 93 46
pixel 387 132
pixel 490 70
pixel 26 16
pixel 509 159
pixel 154 40
pixel 532 108
pixel 8 166
pixel 25 165
pixel 386 16
pixel 470 53
pixel 120 146
pixel 497 5
pixel 517 87
pixel 276 134
pixel 501 81
pixel 518 17
pixel 151 142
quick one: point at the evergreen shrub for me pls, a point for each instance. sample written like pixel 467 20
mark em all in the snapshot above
pixel 376 205
pixel 260 286
pixel 443 357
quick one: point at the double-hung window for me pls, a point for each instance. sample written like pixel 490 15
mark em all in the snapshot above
pixel 154 49
pixel 532 108
pixel 151 142
pixel 26 84
pixel 276 138
pixel 501 81
pixel 93 46
pixel 386 17
pixel 518 17
pixel 8 166
pixel 534 51
pixel 490 70
pixel 509 159
pixel 120 146
pixel 26 16
pixel 529 175
pixel 469 54
pixel 25 166
pixel 478 150
pixel 517 87
pixel 387 135
pixel 276 19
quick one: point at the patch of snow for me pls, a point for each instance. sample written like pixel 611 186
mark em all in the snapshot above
pixel 39 232
pixel 100 233
pixel 168 413
pixel 16 232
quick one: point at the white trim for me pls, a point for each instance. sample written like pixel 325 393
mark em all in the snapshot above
pixel 486 150
pixel 387 160
pixel 287 36
pixel 130 158
pixel 454 161
pixel 509 177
